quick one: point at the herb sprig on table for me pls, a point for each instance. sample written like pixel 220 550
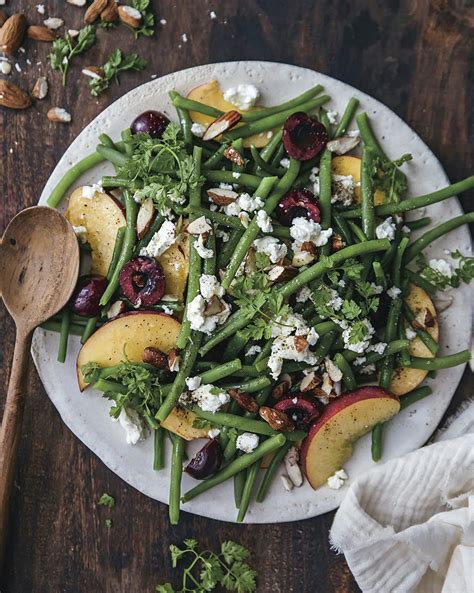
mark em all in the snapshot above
pixel 116 63
pixel 64 49
pixel 147 26
pixel 206 569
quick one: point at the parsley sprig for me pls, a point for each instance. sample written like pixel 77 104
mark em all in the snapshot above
pixel 147 26
pixel 116 63
pixel 388 178
pixel 64 49
pixel 206 570
pixel 463 273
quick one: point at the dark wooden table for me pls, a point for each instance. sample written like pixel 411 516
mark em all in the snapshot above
pixel 412 55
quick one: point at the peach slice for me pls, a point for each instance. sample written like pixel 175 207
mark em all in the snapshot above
pixel 101 215
pixel 174 262
pixel 330 439
pixel 350 165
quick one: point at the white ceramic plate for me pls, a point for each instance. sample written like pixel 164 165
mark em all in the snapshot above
pixel 86 414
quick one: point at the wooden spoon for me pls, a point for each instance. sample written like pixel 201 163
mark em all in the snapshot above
pixel 39 265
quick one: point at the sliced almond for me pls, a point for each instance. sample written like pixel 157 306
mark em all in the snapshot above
pixel 115 309
pixel 155 357
pixel 73 33
pixel 234 156
pixel 222 197
pixel 130 16
pixel 95 72
pixel 94 10
pixel 145 217
pixel 58 114
pixel 309 246
pixel 310 382
pixel 53 23
pixel 276 419
pixel 3 17
pixel 40 33
pixel 292 467
pixel 214 306
pixel 244 400
pixel 12 96
pixel 283 387
pixel 302 258
pixel 199 226
pixel 5 67
pixel 343 144
pixel 424 319
pixel 173 360
pixel 336 242
pixel 223 123
pixel 77 2
pixel 40 90
pixel 110 13
pixel 301 343
pixel 281 273
pixel 12 33
pixel 287 483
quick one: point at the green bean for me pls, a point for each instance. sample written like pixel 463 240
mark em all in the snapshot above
pixel 247 371
pixel 154 227
pixel 64 334
pixel 367 193
pixel 239 464
pixel 414 396
pixel 235 322
pixel 175 479
pixel 268 151
pixel 245 424
pixel 184 103
pixel 421 282
pixel 324 119
pixel 279 155
pixel 342 228
pixel 159 449
pixel 379 274
pixel 106 140
pixel 387 258
pixel 345 368
pixel 397 262
pixel 440 362
pixel 249 386
pixel 71 176
pixel 357 232
pixel 271 471
pixel 271 121
pixel 251 477
pixel 217 217
pixel 184 120
pixel 418 202
pixel 265 351
pixel 235 346
pixel 325 192
pixel 424 336
pixel 239 484
pixel 89 329
pixel 372 357
pixel 216 158
pixel 110 386
pixel 280 231
pixel 249 235
pixel 368 135
pixel 264 166
pixel 194 272
pixel 414 225
pixel 131 209
pixel 119 237
pixel 376 446
pixel 126 137
pixel 110 182
pixel 324 345
pixel 228 248
pixel 55 326
pixel 294 103
pixel 245 179
pixel 417 246
pixel 347 117
pixel 221 371
pixel 113 155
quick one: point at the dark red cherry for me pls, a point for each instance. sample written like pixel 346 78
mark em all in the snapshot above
pixel 303 136
pixel 150 122
pixel 142 281
pixel 206 461
pixel 298 203
pixel 87 294
pixel 302 410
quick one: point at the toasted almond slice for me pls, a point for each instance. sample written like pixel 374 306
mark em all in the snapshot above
pixel 424 319
pixel 281 273
pixel 95 72
pixel 310 382
pixel 302 258
pixel 336 242
pixel 12 96
pixel 223 123
pixel 145 217
pixel 292 468
pixel 214 306
pixel 283 387
pixel 234 155
pixel 53 23
pixel 73 33
pixel 309 246
pixel 94 10
pixel 301 343
pixel 40 90
pixel 130 16
pixel 116 309
pixel 173 360
pixel 342 145
pixel 222 197
pixel 41 33
pixel 199 226
pixel 60 115
pixel 12 33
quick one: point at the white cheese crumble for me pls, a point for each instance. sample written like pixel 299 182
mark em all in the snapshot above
pixel 164 237
pixel 343 187
pixel 368 370
pixel 284 346
pixel 386 230
pixel 247 442
pixel 332 117
pixel 232 209
pixel 337 480
pixel 213 433
pixel 410 333
pixel 303 229
pixel 264 222
pixel 248 203
pixel 285 163
pixel 198 130
pixel 256 349
pixel 272 247
pixel 134 428
pixel 236 174
pixel 201 249
pixel 89 191
pixel 243 96
pixel 224 235
pixel 167 310
pixel 358 347
pixel 193 383
pixel 379 348
pixel 394 292
pixel 376 288
pixel 210 286
pixel 210 398
pixel 353 133
pixel 303 295
pixel 441 266
pixel 81 233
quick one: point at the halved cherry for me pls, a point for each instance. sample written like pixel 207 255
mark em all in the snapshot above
pixel 87 294
pixel 298 203
pixel 206 461
pixel 303 136
pixel 150 122
pixel 142 281
pixel 300 409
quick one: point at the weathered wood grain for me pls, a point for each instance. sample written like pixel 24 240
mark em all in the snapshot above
pixel 415 56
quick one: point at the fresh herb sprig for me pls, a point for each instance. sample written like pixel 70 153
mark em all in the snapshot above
pixel 116 63
pixel 147 26
pixel 65 48
pixel 388 177
pixel 106 500
pixel 463 273
pixel 206 570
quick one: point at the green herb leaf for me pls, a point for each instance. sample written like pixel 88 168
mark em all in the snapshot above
pixel 147 26
pixel 106 500
pixel 64 49
pixel 116 63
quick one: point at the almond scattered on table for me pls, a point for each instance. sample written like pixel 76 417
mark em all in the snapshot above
pixel 5 67
pixel 93 72
pixel 110 14
pixel 12 96
pixel 12 33
pixel 40 33
pixel 94 10
pixel 130 16
pixel 40 90
pixel 60 115
pixel 3 17
pixel 53 23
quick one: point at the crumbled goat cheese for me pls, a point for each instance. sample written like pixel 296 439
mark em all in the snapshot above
pixel 256 349
pixel 247 442
pixel 360 360
pixel 224 235
pixel 213 433
pixel 343 187
pixel 361 346
pixel 236 174
pixel 264 222
pixel 285 348
pixel 213 15
pixel 193 383
pixel 336 301
pixel 198 130
pixel 337 480
pixel 394 292
pixel 248 203
pixel 89 191
pixel 272 247
pixel 386 230
pixel 134 428
pixel 161 240
pixel 243 96
pixel 406 229
pixel 314 174
pixel 223 185
pixel 353 133
pixel 201 249
pixel 303 230
pixel 303 295
pixel 167 310
pixel 285 325
pixel 368 370
pixel 210 398
pixel 285 163
pixel 342 283
pixel 332 117
pixel 441 266
pixel 376 288
pixel 410 333
pixel 379 348
pixel 201 322
pixel 210 286
pixel 232 209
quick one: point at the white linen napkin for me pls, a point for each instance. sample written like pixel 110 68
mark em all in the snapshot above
pixel 408 525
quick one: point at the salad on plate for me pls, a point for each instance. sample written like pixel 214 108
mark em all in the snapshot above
pixel 249 279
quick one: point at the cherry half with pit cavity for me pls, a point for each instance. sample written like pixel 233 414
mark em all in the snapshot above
pixel 300 409
pixel 87 294
pixel 142 281
pixel 206 461
pixel 298 203
pixel 303 136
pixel 150 122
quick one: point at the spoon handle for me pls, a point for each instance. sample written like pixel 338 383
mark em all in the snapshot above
pixel 10 430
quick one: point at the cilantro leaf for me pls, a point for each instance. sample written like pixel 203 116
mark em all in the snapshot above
pixel 116 63
pixel 64 49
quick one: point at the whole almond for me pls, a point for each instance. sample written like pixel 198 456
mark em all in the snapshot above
pixel 93 72
pixel 13 96
pixel 40 33
pixel 130 16
pixel 110 13
pixel 94 10
pixel 12 33
pixel 155 357
pixel 40 90
pixel 3 17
